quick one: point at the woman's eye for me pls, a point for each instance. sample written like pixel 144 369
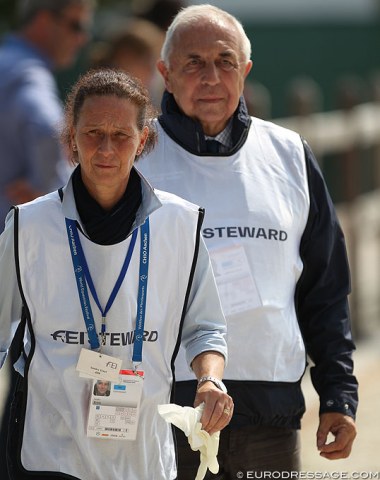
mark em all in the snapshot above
pixel 120 135
pixel 93 133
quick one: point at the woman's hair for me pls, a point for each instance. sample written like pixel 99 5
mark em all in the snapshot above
pixel 191 15
pixel 105 82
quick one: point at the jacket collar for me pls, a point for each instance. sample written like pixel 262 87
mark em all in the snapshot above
pixel 149 204
pixel 189 133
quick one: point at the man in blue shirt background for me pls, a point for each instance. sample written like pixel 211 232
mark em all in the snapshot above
pixel 50 34
pixel 32 162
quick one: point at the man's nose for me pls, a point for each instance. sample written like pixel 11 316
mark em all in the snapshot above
pixel 210 73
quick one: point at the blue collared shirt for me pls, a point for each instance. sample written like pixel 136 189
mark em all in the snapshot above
pixel 30 114
pixel 224 138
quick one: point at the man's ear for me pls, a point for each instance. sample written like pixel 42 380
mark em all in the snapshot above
pixel 164 71
pixel 248 68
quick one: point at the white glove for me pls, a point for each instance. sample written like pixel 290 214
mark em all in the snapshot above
pixel 188 420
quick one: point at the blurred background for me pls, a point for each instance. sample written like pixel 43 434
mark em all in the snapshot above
pixel 316 70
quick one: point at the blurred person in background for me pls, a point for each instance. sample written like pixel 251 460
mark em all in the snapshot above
pixel 32 161
pixel 159 12
pixel 277 248
pixel 50 35
pixel 134 49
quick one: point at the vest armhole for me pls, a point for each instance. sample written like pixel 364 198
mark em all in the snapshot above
pixel 201 213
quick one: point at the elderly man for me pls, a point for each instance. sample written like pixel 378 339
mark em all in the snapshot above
pixel 277 249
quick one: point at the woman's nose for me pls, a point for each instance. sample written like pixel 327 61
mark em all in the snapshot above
pixel 106 145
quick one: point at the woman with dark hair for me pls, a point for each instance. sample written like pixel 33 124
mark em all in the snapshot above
pixel 112 276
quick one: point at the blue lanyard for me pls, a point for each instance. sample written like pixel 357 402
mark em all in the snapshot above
pixel 83 278
pixel 142 294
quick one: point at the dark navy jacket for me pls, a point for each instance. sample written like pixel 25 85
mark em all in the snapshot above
pixel 325 279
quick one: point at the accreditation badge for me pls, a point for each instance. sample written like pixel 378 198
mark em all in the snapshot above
pixel 92 364
pixel 115 407
pixel 236 286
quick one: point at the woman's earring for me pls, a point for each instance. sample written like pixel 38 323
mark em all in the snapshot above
pixel 75 148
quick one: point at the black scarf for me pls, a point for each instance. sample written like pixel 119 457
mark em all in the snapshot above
pixel 188 133
pixel 107 227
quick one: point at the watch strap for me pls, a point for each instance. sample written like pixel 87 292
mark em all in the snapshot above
pixel 218 383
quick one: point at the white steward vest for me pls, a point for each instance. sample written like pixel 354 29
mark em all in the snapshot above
pixel 256 207
pixel 55 425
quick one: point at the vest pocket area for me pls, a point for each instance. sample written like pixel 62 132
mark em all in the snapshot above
pixel 14 438
pixel 15 427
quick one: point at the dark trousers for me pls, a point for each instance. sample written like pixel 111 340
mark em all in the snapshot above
pixel 4 474
pixel 243 451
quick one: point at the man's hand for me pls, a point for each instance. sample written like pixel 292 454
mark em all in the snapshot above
pixel 344 430
pixel 218 407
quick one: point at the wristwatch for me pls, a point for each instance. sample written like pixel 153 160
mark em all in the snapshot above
pixel 214 380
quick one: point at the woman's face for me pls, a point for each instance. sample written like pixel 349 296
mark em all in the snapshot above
pixel 102 387
pixel 107 140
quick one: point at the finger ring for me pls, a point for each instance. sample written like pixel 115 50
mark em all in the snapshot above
pixel 227 411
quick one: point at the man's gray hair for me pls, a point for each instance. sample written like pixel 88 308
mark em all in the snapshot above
pixel 191 16
pixel 27 9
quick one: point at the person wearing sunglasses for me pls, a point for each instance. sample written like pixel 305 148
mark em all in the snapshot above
pixel 49 35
